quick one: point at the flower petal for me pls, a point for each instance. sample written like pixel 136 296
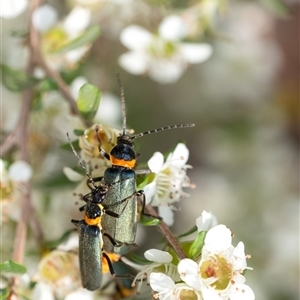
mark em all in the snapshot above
pixel 206 221
pixel 134 62
pixel 73 56
pixel 158 256
pixel 188 271
pixel 149 191
pixel 240 257
pixel 12 8
pixel 172 28
pixel 72 175
pixel 156 162
pixel 42 291
pixel 210 294
pixel 179 156
pixel 167 214
pixel 195 53
pixel 77 21
pixel 20 171
pixel 160 282
pixel 80 294
pixel 44 17
pixel 166 71
pixel 218 239
pixel 109 111
pixel 242 292
pixel 135 37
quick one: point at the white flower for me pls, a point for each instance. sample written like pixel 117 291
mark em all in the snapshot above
pixel 80 294
pixel 20 171
pixel 170 178
pixel 218 275
pixel 44 17
pixel 161 261
pixel 59 270
pixel 109 111
pixel 77 21
pixel 42 291
pixel 160 55
pixel 168 290
pixel 12 8
pixel 206 221
pixel 57 34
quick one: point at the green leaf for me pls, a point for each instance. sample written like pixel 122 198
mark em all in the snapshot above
pixel 10 266
pixel 67 146
pixel 88 101
pixel 148 220
pixel 78 132
pixel 139 260
pixel 192 230
pixel 197 245
pixel 88 36
pixel 142 181
pixel 19 33
pixel 17 80
pixel 48 84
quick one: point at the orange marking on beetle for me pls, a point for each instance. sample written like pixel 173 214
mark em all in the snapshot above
pixel 92 222
pixel 123 163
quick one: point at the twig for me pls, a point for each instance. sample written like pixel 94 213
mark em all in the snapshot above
pixel 164 229
pixel 20 138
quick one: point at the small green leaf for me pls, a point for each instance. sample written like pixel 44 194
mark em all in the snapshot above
pixel 142 180
pixel 48 84
pixel 88 36
pixel 88 100
pixel 196 247
pixel 67 146
pixel 139 260
pixel 17 80
pixel 78 132
pixel 192 230
pixel 19 33
pixel 10 266
pixel 148 220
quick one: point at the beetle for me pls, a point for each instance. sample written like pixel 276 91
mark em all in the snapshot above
pixel 91 234
pixel 121 179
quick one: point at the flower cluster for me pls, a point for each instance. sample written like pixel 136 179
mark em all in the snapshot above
pixel 162 55
pixel 166 186
pixel 217 273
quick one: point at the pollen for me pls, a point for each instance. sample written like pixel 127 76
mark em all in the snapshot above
pixel 217 267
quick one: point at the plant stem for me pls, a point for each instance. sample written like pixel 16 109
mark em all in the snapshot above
pixel 165 230
pixel 19 137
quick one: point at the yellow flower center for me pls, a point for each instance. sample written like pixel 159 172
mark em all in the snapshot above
pixel 162 49
pixel 53 40
pixel 187 295
pixel 217 267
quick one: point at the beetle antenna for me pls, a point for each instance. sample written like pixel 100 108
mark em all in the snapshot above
pixel 80 161
pixel 161 129
pixel 122 103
